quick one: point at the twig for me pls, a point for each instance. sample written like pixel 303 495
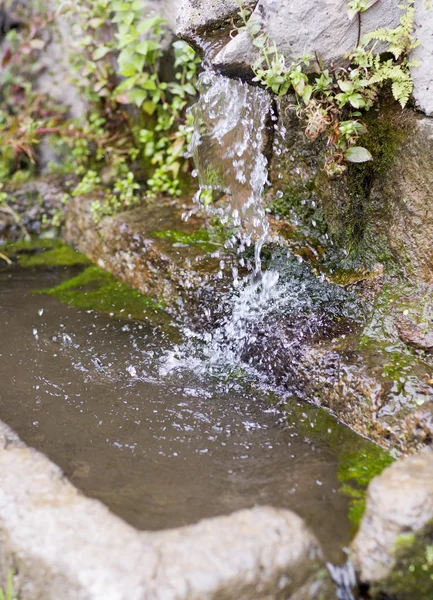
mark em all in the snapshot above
pixel 5 258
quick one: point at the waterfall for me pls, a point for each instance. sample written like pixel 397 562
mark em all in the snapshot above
pixel 227 147
pixel 230 120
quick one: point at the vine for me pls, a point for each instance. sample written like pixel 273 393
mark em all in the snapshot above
pixel 330 103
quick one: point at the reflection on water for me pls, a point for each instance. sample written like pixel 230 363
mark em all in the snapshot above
pixel 161 452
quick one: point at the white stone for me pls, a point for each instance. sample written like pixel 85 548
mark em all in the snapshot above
pixel 400 501
pixel 308 26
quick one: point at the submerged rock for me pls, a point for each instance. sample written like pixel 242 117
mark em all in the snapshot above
pixel 396 531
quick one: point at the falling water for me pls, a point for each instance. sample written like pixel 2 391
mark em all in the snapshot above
pixel 228 148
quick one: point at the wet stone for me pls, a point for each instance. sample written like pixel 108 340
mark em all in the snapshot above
pixel 399 511
pixel 60 544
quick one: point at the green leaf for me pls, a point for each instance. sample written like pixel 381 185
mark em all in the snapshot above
pixel 358 154
pixel 357 101
pixel 345 86
pixel 100 52
pixel 137 97
pixel 149 107
pixel 147 46
pixel 306 96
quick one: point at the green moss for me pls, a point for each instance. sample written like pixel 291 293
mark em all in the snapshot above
pixel 57 257
pixel 32 245
pixel 366 229
pixel 201 239
pixel 412 577
pixel 398 360
pixel 44 253
pixel 359 459
pixel 96 289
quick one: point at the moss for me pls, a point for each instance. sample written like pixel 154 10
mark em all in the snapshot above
pixel 412 576
pixel 201 239
pixel 32 245
pixel 44 253
pixel 359 459
pixel 366 232
pixel 398 360
pixel 96 289
pixel 57 257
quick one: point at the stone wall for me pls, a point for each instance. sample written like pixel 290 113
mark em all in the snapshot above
pixel 378 213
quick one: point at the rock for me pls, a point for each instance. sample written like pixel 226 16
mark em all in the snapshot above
pixel 422 74
pixel 35 205
pixel 415 334
pixel 399 502
pixel 405 192
pixel 418 425
pixel 140 248
pixel 60 544
pixel 298 28
pixel 384 208
pixel 206 24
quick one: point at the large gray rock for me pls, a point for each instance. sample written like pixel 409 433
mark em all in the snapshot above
pixel 60 544
pixel 405 192
pixel 193 16
pixel 304 27
pixel 400 502
pixel 422 75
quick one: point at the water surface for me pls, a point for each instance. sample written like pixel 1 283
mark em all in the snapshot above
pixel 160 452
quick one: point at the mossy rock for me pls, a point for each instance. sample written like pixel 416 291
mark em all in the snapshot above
pixel 40 252
pixel 412 575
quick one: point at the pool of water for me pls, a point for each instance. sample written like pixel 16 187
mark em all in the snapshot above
pixel 160 451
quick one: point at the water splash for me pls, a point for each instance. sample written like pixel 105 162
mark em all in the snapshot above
pixel 228 143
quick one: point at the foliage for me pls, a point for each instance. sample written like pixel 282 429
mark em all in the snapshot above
pixel 138 130
pixel 26 114
pixel 330 103
pixel 5 208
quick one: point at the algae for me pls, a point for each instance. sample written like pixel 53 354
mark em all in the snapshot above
pixel 44 253
pixel 359 459
pixel 96 289
pixel 201 239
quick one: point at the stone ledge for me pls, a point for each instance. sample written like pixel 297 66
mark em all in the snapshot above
pixel 61 545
